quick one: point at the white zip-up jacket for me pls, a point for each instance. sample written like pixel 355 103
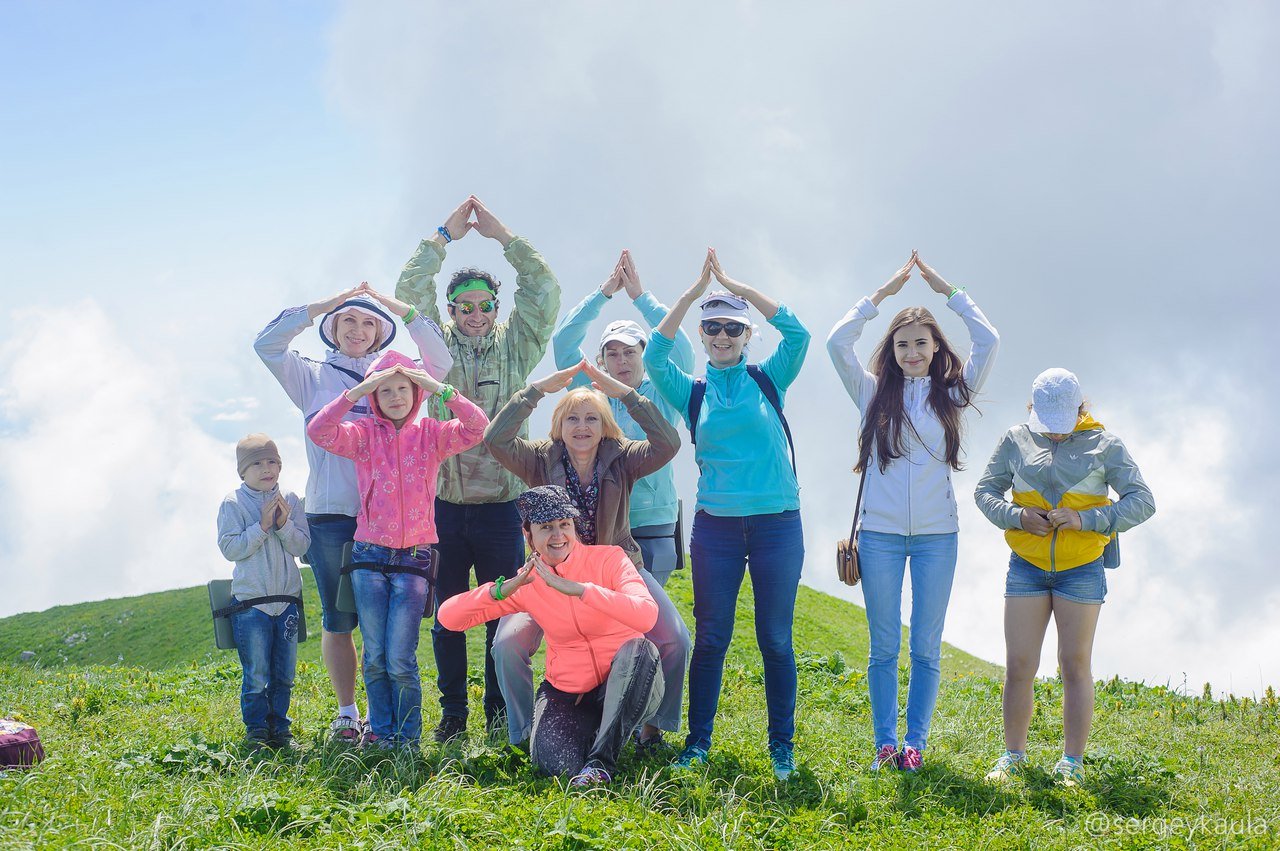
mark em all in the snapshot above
pixel 312 384
pixel 913 496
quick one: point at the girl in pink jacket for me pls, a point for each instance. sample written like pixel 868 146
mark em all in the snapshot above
pixel 396 458
pixel 603 677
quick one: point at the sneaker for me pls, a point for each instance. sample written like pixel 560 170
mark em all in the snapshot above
pixel 346 731
pixel 590 775
pixel 371 741
pixel 651 747
pixel 1007 767
pixel 910 759
pixel 783 759
pixel 257 740
pixel 450 727
pixel 691 757
pixel 284 742
pixel 886 757
pixel 1068 772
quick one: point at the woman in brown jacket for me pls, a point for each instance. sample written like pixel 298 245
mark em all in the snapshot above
pixel 590 458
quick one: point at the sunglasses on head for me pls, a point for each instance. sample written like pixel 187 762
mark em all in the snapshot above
pixel 715 326
pixel 489 305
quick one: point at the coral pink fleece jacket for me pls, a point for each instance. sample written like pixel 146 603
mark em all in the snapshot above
pixel 583 633
pixel 396 469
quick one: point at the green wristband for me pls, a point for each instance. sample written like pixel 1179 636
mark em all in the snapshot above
pixel 411 315
pixel 953 292
pixel 497 588
pixel 446 392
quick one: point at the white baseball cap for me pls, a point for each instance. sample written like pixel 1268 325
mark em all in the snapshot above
pixel 1055 402
pixel 724 305
pixel 624 331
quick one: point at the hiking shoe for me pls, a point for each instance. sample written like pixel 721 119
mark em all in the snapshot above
pixel 1007 767
pixel 450 727
pixel 284 742
pixel 910 759
pixel 784 760
pixel 590 775
pixel 886 757
pixel 1068 772
pixel 691 757
pixel 346 731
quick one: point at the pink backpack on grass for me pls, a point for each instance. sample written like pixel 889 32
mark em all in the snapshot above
pixel 19 745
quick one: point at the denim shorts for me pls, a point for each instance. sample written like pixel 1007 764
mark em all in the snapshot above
pixel 1084 584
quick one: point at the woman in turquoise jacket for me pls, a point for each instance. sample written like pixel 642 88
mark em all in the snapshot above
pixel 748 511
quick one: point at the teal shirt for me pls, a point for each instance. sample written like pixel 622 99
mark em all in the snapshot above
pixel 742 449
pixel 653 498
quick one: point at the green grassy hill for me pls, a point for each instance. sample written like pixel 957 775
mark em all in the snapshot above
pixel 140 717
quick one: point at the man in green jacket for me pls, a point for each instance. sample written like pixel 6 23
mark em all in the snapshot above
pixel 475 510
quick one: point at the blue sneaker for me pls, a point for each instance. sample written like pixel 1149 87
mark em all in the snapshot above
pixel 784 760
pixel 691 757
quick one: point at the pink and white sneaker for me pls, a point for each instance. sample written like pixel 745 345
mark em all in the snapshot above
pixel 886 757
pixel 910 759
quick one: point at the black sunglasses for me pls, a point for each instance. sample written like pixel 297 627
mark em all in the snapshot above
pixel 714 327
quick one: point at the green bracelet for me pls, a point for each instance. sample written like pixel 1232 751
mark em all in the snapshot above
pixel 411 315
pixel 446 392
pixel 954 290
pixel 497 588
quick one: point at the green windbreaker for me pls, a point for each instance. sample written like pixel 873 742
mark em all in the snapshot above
pixel 487 370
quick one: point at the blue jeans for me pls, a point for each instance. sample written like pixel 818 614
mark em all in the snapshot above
pixel 268 649
pixel 488 537
pixel 658 549
pixel 329 533
pixel 519 637
pixel 390 609
pixel 723 549
pixel 883 558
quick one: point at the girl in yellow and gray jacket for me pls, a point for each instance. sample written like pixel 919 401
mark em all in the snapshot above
pixel 1060 466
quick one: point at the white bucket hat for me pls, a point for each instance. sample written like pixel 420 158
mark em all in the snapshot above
pixel 363 304
pixel 1055 402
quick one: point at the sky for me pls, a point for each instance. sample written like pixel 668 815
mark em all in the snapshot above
pixel 1101 178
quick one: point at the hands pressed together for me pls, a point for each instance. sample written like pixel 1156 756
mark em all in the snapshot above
pixel 931 277
pixel 460 222
pixel 275 513
pixel 554 580
pixel 600 380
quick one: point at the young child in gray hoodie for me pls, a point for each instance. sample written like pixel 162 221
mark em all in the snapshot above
pixel 262 529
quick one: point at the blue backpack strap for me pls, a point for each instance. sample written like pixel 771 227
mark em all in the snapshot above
pixel 696 395
pixel 770 392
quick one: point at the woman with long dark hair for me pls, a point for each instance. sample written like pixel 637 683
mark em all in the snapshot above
pixel 912 400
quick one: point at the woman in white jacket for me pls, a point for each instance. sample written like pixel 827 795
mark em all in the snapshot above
pixel 912 400
pixel 355 325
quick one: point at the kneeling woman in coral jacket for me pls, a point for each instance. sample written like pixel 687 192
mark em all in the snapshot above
pixel 603 676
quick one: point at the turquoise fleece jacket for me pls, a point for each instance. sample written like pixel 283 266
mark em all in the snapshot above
pixel 653 498
pixel 742 449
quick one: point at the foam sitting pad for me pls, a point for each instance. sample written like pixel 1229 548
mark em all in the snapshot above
pixel 220 598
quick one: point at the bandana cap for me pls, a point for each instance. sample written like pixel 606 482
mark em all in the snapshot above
pixel 544 504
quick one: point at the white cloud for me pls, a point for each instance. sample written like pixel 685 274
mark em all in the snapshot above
pixel 111 487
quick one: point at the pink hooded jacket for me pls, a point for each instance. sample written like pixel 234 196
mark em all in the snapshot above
pixel 396 470
pixel 583 633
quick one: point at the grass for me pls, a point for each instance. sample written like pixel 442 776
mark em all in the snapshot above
pixel 144 754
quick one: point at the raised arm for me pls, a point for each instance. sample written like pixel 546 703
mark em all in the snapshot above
pixel 417 283
pixel 858 383
pixel 289 367
pixel 503 439
pixel 653 312
pixel 537 297
pixel 674 383
pixel 566 342
pixel 984 338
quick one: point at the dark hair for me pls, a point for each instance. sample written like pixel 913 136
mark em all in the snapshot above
pixel 461 276
pixel 949 395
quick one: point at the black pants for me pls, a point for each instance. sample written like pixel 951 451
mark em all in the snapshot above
pixel 488 537
pixel 571 730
